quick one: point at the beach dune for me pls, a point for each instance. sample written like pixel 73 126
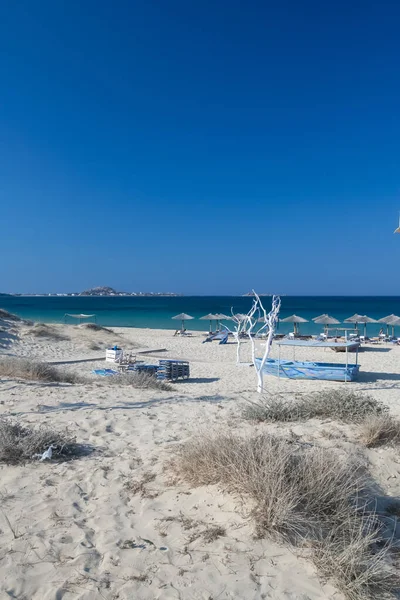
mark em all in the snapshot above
pixel 116 523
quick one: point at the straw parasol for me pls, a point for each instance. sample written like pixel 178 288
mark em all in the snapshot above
pixel 210 317
pixel 182 317
pixel 295 319
pixel 354 319
pixel 326 320
pixel 390 320
pixel 394 323
pixel 238 317
pixel 366 320
pixel 361 319
pixel 222 317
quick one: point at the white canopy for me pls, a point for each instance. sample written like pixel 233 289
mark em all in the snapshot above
pixel 79 316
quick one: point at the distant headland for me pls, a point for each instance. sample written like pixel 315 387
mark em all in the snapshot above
pixel 102 291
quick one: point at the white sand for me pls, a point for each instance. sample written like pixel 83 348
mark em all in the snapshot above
pixel 75 531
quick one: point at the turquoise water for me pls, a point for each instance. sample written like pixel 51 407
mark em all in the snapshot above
pixel 156 312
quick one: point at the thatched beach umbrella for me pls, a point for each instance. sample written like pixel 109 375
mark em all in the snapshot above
pixel 326 320
pixel 295 319
pixel 354 319
pixel 395 323
pixel 238 317
pixel 222 317
pixel 182 317
pixel 387 321
pixel 366 320
pixel 210 317
pixel 361 319
pixel 392 320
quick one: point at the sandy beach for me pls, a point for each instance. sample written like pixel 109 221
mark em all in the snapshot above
pixel 115 524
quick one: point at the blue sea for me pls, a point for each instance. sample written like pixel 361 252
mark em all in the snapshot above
pixel 156 312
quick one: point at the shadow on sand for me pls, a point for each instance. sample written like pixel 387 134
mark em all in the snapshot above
pixel 371 376
pixel 374 349
pixel 72 406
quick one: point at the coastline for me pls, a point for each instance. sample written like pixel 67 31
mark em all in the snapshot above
pixel 157 312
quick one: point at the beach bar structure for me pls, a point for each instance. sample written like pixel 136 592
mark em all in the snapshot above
pixel 294 369
pixel 79 317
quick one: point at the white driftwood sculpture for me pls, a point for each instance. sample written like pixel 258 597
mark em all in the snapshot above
pixel 245 325
pixel 270 321
pixel 241 325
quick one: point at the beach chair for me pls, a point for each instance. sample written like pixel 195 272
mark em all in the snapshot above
pixel 182 332
pixel 125 360
pixel 142 368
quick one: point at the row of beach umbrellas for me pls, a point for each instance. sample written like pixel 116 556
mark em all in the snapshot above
pixel 325 319
pixel 210 317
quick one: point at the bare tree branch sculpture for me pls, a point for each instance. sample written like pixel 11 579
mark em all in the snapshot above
pixel 270 321
pixel 241 323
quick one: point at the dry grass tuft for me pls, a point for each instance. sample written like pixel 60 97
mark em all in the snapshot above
pixel 355 556
pixel 289 483
pixel 95 327
pixel 95 346
pixel 305 494
pixel 19 444
pixel 41 330
pixel 22 368
pixel 380 430
pixel 342 405
pixel 140 381
pixel 213 532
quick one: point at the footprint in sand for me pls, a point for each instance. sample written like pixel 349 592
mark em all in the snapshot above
pixel 65 539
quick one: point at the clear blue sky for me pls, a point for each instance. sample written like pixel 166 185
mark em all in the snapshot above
pixel 200 146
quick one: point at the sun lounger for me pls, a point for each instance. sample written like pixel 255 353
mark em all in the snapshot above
pixel 171 370
pixel 219 335
pixel 142 368
pixel 182 332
